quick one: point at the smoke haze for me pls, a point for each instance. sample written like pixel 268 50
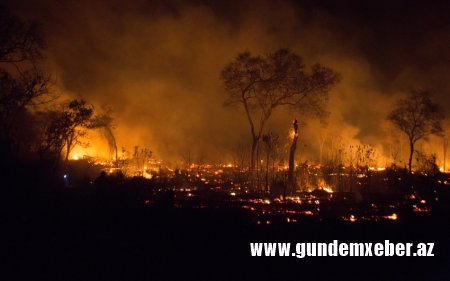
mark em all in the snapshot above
pixel 158 63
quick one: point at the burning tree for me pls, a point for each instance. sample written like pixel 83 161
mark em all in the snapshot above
pixel 418 117
pixel 292 149
pixel 263 83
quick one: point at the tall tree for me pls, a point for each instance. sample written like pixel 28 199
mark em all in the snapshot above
pixel 418 117
pixel 263 83
pixel 270 142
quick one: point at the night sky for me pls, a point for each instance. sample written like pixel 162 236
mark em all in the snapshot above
pixel 158 63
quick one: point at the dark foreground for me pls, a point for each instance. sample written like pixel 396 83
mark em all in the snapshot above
pixel 149 243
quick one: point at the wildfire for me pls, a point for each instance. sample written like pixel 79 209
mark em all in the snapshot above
pixel 392 217
pixel 379 169
pixel 324 186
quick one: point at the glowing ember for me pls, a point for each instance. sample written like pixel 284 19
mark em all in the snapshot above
pixel 289 220
pixel 417 209
pixel 392 217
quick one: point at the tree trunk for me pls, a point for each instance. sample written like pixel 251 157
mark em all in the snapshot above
pixel 68 148
pixel 267 172
pixel 117 159
pixel 291 185
pixel 411 152
pixel 252 163
pixel 66 158
pixel 258 170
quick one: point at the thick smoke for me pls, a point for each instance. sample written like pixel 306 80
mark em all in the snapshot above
pixel 157 63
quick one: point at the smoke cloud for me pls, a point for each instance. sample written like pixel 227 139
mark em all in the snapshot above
pixel 158 63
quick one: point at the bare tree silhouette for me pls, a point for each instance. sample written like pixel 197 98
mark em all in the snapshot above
pixel 418 117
